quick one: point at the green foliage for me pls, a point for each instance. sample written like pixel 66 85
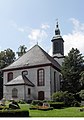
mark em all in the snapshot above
pixel 57 105
pixel 14 113
pixel 71 69
pixel 37 102
pixel 21 102
pixel 81 93
pixel 45 109
pixel 58 96
pixel 65 97
pixel 21 50
pixel 6 58
pixel 75 104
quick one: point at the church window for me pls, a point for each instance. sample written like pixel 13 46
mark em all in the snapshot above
pixel 10 76
pixel 29 91
pixel 40 77
pixel 25 72
pixel 54 81
pixel 14 93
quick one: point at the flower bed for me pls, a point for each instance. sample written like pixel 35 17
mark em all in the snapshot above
pixel 41 108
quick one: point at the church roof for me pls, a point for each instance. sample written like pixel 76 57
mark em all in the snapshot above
pixel 33 57
pixel 20 80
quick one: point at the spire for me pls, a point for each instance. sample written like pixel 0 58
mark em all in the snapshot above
pixel 57 30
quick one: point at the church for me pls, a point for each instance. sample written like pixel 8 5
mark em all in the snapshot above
pixel 35 75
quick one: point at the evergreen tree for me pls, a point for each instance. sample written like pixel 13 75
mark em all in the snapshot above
pixel 71 69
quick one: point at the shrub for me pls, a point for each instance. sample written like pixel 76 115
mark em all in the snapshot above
pixel 14 113
pixel 57 105
pixel 45 109
pixel 58 96
pixel 81 94
pixel 65 97
pixel 75 104
pixel 21 102
pixel 14 105
pixel 37 102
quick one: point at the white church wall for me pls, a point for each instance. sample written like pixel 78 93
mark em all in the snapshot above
pixel 52 80
pixel 20 89
pixel 32 76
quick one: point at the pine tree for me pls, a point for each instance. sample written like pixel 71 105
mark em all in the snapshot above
pixel 71 69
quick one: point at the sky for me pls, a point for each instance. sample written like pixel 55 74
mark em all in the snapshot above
pixel 28 22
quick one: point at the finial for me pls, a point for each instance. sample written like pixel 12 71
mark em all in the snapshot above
pixel 37 42
pixel 56 23
pixel 57 31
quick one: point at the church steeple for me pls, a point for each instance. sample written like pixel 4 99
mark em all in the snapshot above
pixel 57 43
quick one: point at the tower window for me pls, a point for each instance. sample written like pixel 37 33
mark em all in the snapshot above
pixel 10 76
pixel 40 77
pixel 55 47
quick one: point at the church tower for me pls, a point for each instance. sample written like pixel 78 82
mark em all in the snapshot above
pixel 58 45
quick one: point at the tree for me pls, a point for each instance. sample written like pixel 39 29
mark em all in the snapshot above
pixel 71 69
pixel 21 50
pixel 6 58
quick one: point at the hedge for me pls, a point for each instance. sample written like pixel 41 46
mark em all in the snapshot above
pixel 57 105
pixel 37 102
pixel 45 109
pixel 14 113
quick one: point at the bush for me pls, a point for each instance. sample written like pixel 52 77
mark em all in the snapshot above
pixel 21 102
pixel 75 104
pixel 45 109
pixel 14 113
pixel 37 102
pixel 58 96
pixel 65 97
pixel 57 105
pixel 81 94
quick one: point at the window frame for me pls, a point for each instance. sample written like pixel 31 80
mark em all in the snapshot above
pixel 8 76
pixel 40 77
pixel 14 93
pixel 29 91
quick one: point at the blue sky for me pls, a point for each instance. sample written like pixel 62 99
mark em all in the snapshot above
pixel 26 22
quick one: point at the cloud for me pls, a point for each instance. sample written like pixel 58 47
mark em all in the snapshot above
pixel 45 26
pixel 14 25
pixel 21 29
pixel 37 34
pixel 33 35
pixel 75 39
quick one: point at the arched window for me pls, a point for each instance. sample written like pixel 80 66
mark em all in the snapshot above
pixel 10 76
pixel 40 77
pixel 14 93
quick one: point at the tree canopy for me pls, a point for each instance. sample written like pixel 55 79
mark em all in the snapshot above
pixel 71 69
pixel 6 58
pixel 21 50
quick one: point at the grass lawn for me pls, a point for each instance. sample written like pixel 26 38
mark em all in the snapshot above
pixel 66 112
